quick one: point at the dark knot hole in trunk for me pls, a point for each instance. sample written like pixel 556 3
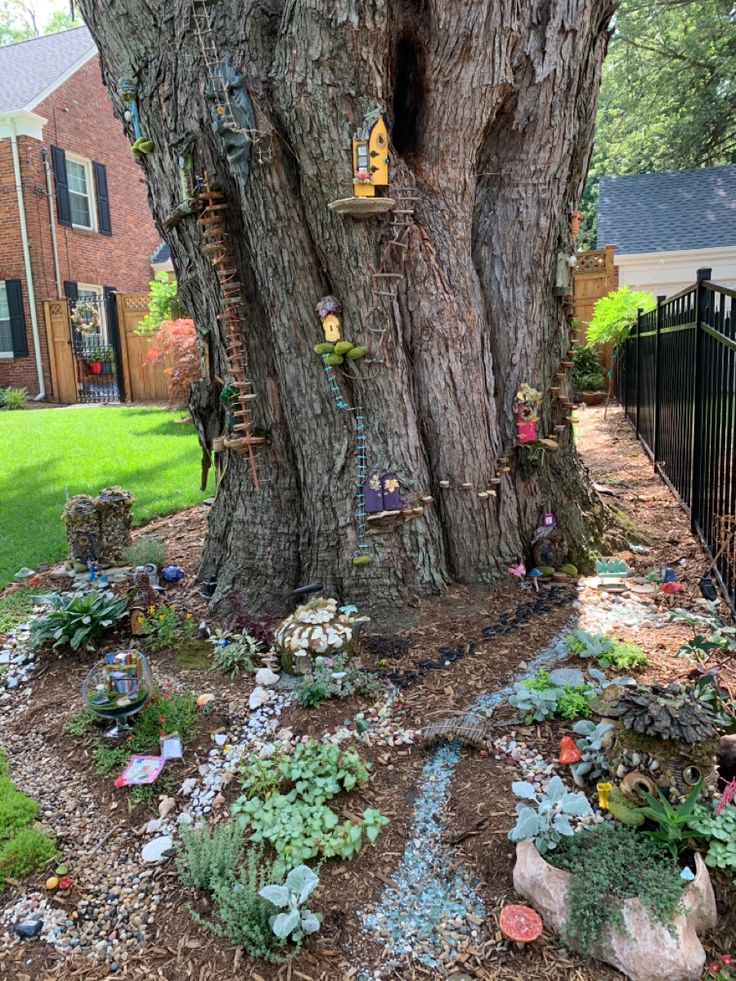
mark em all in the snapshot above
pixel 409 92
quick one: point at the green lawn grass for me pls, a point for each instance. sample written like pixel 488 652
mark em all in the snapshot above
pixel 45 452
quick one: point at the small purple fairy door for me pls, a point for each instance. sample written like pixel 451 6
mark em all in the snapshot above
pixel 391 492
pixel 373 494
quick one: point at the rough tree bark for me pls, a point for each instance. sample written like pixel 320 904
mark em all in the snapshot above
pixel 492 106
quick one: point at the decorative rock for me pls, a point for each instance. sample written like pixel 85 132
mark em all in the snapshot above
pixel 643 950
pixel 266 677
pixel 259 696
pixel 29 928
pixel 155 851
pixel 166 806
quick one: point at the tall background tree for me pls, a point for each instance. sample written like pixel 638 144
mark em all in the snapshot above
pixel 24 19
pixel 492 106
pixel 668 96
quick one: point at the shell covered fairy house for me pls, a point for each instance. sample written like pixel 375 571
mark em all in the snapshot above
pixel 316 628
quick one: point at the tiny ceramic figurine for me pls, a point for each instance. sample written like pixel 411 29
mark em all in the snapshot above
pixel 526 409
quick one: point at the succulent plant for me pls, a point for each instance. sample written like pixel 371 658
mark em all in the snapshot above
pixel 663 711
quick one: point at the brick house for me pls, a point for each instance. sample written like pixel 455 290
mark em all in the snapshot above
pixel 74 216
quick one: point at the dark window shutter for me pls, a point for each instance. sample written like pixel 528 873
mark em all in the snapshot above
pixel 63 208
pixel 103 200
pixel 17 318
pixel 71 291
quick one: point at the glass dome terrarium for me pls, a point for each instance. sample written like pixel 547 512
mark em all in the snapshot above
pixel 117 688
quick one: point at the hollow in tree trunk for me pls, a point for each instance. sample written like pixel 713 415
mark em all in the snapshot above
pixel 491 107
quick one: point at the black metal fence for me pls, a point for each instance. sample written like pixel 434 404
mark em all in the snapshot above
pixel 96 350
pixel 676 380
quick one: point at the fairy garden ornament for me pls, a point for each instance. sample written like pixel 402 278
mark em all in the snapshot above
pixel 335 349
pixel 527 405
pixel 117 688
pixel 370 170
pixel 316 627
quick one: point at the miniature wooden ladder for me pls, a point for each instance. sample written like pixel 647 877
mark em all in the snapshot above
pixel 386 282
pixel 361 471
pixel 213 61
pixel 212 223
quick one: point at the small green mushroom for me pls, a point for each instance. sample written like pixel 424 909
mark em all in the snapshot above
pixel 334 359
pixel 354 354
pixel 362 560
pixel 342 347
pixel 326 347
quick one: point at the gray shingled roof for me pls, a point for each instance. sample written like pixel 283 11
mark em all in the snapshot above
pixel 161 253
pixel 680 209
pixel 29 67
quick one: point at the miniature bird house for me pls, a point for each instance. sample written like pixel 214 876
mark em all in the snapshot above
pixel 370 170
pixel 370 156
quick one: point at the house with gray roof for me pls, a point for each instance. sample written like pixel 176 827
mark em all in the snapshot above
pixel 666 226
pixel 74 219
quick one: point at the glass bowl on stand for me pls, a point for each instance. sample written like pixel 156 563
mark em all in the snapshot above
pixel 117 688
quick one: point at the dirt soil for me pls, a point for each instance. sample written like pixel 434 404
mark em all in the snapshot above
pixel 481 808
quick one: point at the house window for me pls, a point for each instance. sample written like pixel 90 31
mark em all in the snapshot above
pixel 81 201
pixel 6 336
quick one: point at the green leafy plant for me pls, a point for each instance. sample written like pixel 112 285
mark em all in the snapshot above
pixel 235 653
pixel 609 653
pixel 164 714
pixel 297 921
pixel 335 677
pixel 590 739
pixel 550 822
pixel 80 724
pixel 587 373
pixel 208 856
pixel 76 619
pixel 615 314
pixel 609 864
pixel 165 626
pixel 109 759
pixel 720 832
pixel 162 305
pixel 672 822
pixel 562 692
pixel 148 549
pixel 13 398
pixel 285 802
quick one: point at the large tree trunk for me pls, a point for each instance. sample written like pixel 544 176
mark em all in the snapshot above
pixel 492 106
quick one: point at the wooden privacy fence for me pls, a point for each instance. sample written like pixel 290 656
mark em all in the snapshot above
pixel 595 276
pixel 676 379
pixel 136 379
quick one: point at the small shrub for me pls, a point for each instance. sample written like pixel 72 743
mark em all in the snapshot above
pixel 14 398
pixel 240 914
pixel 75 619
pixel 587 373
pixel 28 851
pixel 208 857
pixel 719 830
pixel 562 692
pixel 240 620
pixel 176 341
pixel 165 627
pixel 609 653
pixel 146 549
pixel 235 653
pixel 164 714
pixel 615 314
pixel 610 864
pixel 163 304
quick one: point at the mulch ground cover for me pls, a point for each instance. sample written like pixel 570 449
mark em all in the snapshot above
pixel 448 663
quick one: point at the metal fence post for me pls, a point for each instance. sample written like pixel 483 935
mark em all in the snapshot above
pixel 638 366
pixel 660 300
pixel 702 276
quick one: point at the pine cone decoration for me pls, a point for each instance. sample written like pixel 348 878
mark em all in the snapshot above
pixel 665 712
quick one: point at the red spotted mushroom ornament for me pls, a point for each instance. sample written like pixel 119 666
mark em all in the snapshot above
pixel 520 923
